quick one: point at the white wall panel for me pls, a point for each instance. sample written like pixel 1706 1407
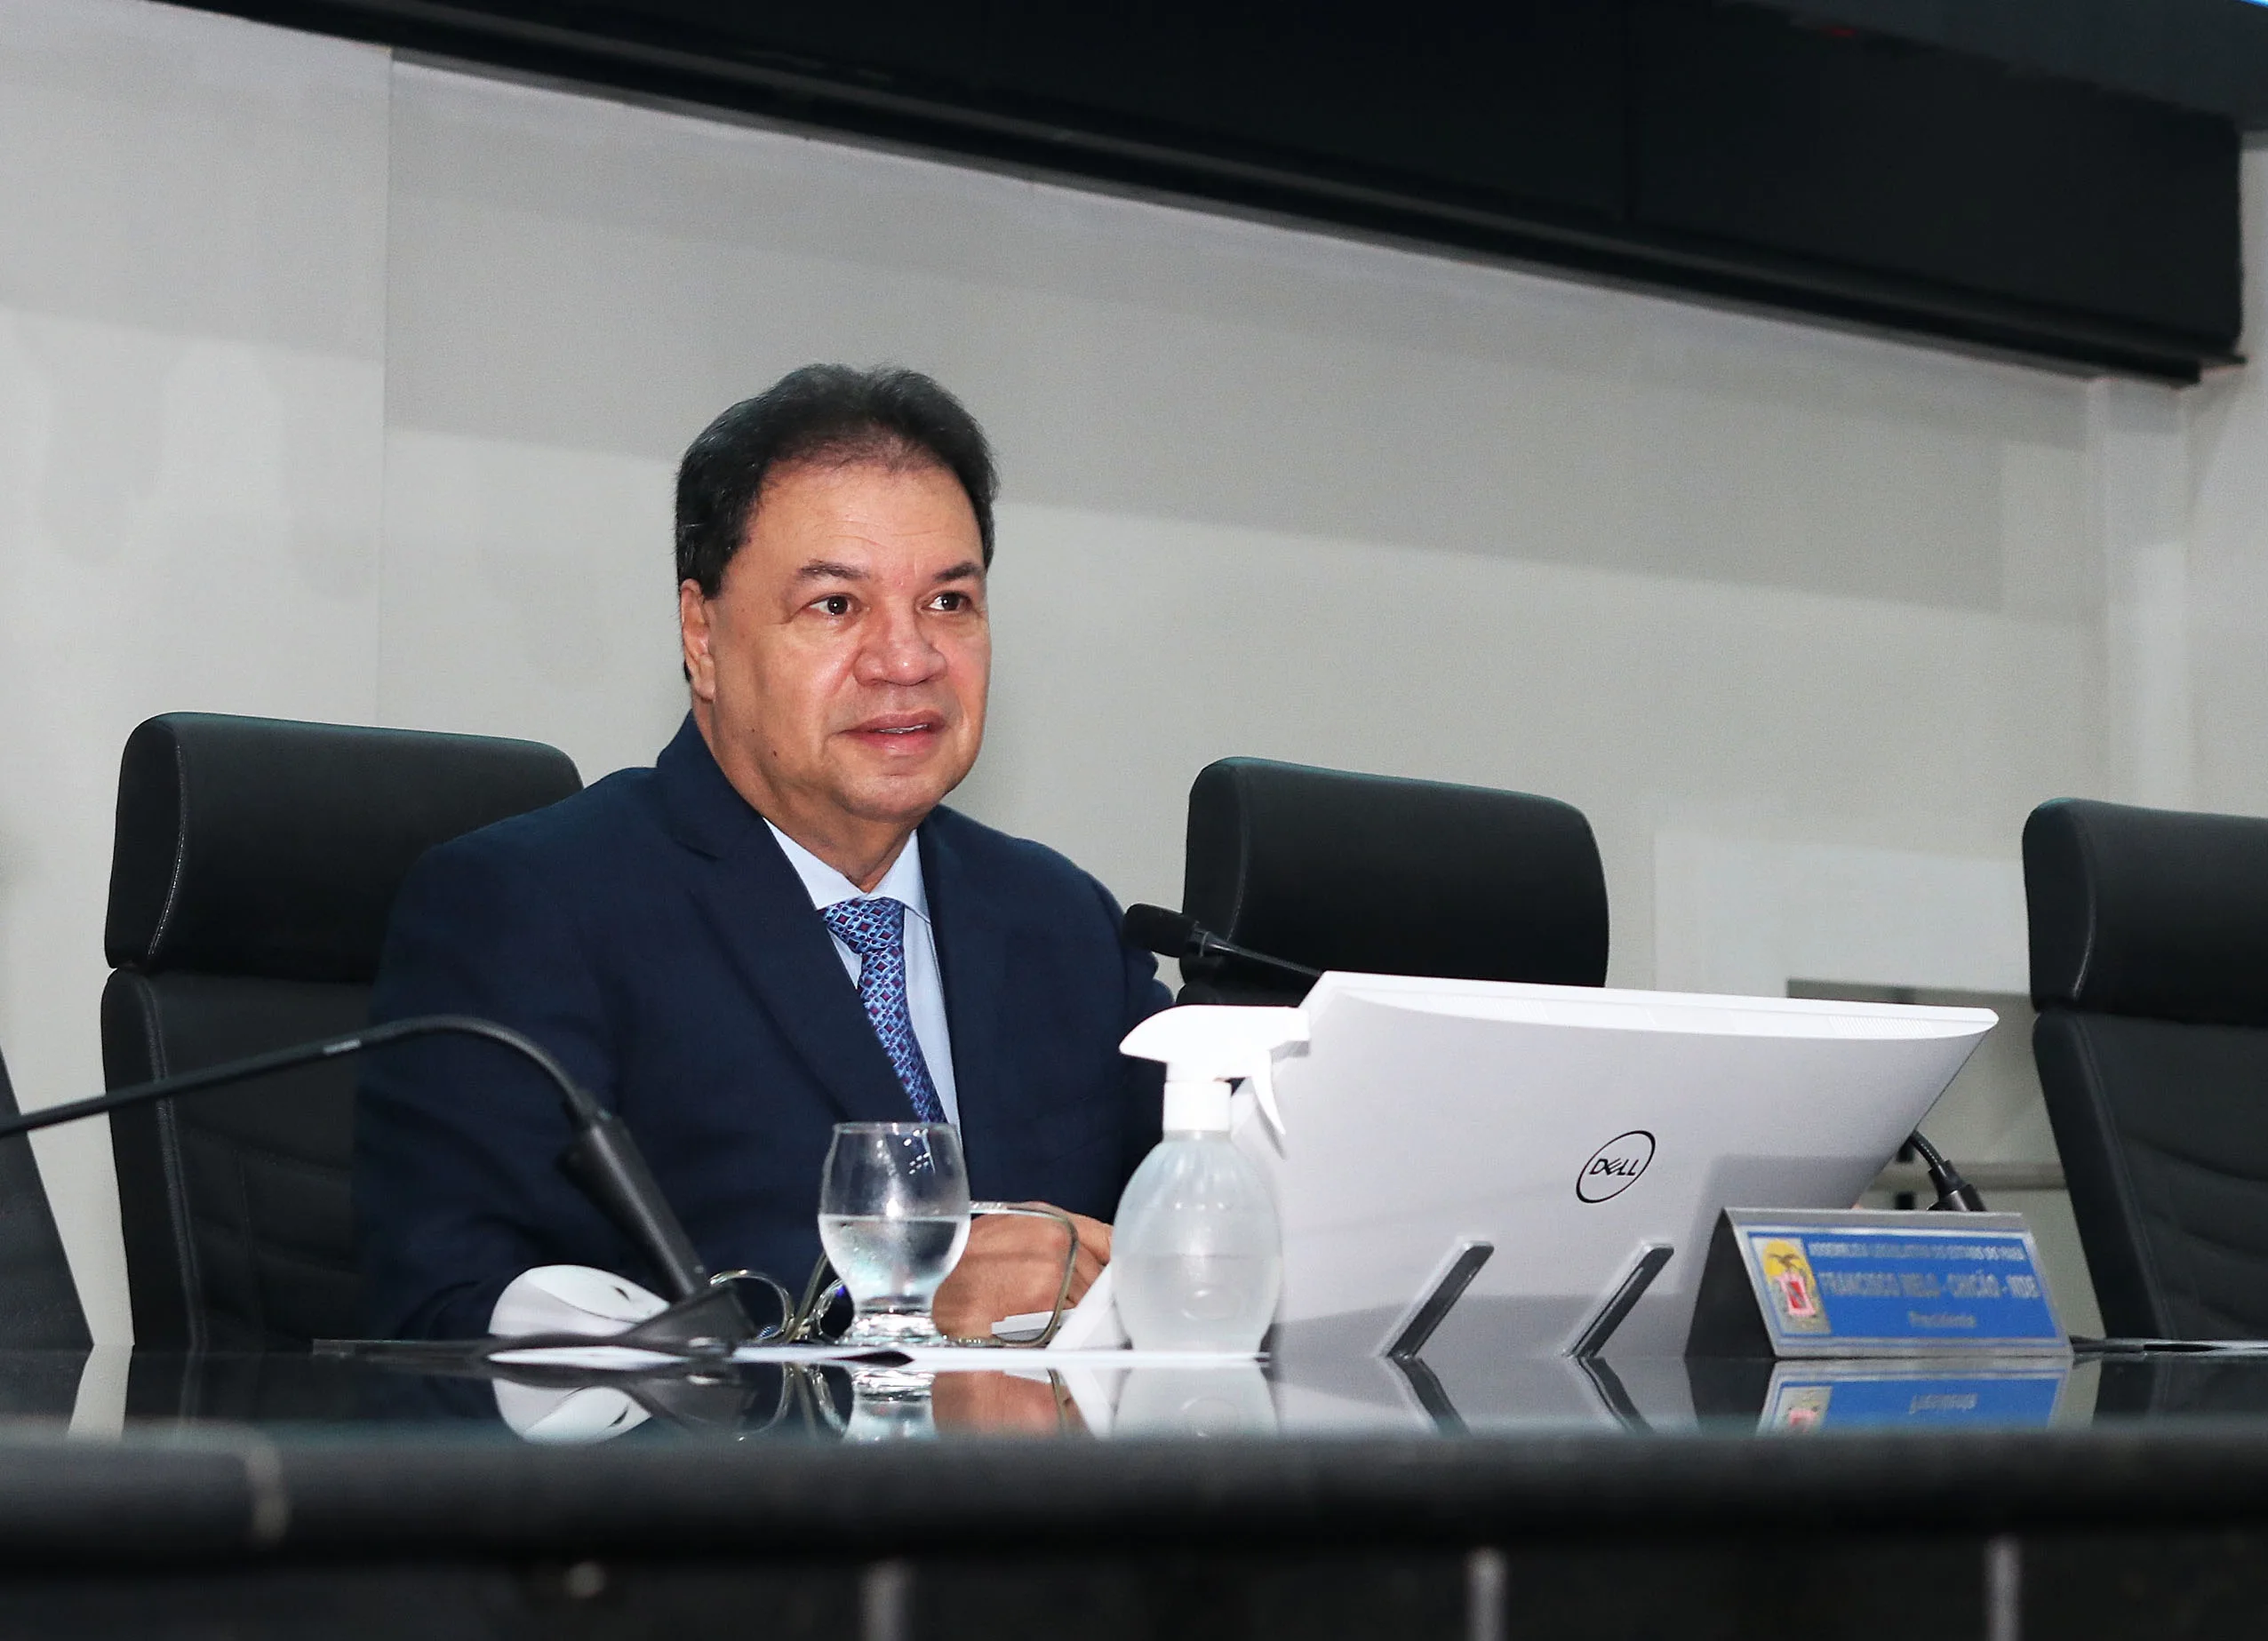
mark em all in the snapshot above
pixel 527 593
pixel 191 389
pixel 2227 562
pixel 1747 916
pixel 1129 652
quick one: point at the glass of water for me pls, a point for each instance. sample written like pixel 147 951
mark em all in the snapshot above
pixel 893 1218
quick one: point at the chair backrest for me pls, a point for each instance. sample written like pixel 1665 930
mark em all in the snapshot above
pixel 2150 969
pixel 39 1303
pixel 1380 875
pixel 255 865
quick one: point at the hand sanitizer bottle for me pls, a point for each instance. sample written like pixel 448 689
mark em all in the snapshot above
pixel 1197 1253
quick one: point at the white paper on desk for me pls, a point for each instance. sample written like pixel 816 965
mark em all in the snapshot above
pixel 984 1359
pixel 1004 1358
pixel 815 1356
pixel 601 1357
pixel 1090 1324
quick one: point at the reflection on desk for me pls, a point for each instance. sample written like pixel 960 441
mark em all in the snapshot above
pixel 108 1391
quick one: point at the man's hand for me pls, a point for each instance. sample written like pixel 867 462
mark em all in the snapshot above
pixel 1013 1265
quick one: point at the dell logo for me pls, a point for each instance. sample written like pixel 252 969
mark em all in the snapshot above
pixel 1615 1166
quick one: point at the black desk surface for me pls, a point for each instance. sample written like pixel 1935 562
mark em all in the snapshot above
pixel 1701 1497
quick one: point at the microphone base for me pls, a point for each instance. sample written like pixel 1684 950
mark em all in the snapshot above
pixel 711 1323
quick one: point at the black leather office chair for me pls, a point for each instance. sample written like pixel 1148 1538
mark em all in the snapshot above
pixel 39 1303
pixel 2150 970
pixel 255 865
pixel 1379 875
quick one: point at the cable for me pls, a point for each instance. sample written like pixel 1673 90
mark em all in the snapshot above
pixel 1955 1194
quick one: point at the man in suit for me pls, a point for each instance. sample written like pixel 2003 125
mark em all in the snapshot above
pixel 777 927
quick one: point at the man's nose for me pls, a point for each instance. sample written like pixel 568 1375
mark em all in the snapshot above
pixel 898 650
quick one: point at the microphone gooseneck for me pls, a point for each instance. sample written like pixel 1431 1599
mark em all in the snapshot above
pixel 601 1158
pixel 1178 934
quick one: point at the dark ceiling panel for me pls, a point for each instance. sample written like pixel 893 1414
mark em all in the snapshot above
pixel 1824 143
pixel 1516 103
pixel 2207 55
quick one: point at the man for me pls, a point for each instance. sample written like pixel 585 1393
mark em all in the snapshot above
pixel 777 927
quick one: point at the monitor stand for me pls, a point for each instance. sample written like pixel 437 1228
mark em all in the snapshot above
pixel 1651 1257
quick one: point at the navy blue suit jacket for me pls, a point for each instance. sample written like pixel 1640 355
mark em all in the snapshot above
pixel 650 934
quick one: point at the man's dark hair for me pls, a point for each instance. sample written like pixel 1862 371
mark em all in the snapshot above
pixel 829 414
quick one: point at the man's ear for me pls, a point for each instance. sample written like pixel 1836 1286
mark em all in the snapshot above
pixel 693 638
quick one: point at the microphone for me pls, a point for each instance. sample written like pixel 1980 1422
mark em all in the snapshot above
pixel 1178 934
pixel 601 1158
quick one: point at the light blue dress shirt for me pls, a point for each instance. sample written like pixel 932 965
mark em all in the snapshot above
pixel 924 986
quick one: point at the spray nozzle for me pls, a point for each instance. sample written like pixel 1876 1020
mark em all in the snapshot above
pixel 1205 1047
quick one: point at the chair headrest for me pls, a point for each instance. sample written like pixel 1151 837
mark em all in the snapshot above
pixel 1378 875
pixel 261 847
pixel 2156 912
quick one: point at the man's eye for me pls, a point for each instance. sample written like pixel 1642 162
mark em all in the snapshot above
pixel 835 604
pixel 953 603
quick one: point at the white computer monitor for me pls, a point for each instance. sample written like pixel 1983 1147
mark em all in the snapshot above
pixel 1570 1130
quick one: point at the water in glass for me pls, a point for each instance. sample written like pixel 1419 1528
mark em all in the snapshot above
pixel 893 1218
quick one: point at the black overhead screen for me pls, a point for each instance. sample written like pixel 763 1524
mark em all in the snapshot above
pixel 1697 145
pixel 1520 101
pixel 1867 153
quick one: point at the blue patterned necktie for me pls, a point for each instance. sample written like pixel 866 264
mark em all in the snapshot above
pixel 875 929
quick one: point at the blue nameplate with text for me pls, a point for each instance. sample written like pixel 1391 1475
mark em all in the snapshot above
pixel 1867 1283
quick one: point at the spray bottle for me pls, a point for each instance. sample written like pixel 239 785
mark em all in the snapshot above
pixel 1196 1252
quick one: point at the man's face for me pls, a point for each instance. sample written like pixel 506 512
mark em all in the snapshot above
pixel 840 672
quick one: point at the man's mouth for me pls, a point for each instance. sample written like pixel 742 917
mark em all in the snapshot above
pixel 900 728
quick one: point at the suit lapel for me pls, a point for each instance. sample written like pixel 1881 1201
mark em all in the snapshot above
pixel 765 919
pixel 972 959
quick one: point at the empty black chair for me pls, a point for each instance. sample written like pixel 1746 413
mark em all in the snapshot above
pixel 255 865
pixel 2150 969
pixel 1380 875
pixel 39 1303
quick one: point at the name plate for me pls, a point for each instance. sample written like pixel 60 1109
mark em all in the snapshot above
pixel 1861 1282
